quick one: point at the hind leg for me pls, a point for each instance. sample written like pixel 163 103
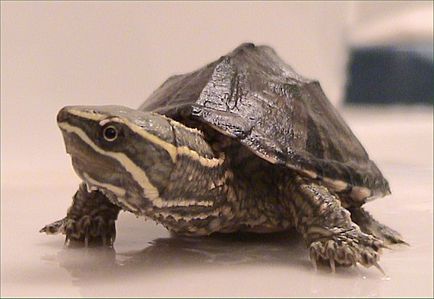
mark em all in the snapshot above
pixel 369 225
pixel 91 218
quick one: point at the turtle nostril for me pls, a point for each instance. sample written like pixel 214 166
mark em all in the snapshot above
pixel 62 115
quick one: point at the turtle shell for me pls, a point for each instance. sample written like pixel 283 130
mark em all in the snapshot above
pixel 252 96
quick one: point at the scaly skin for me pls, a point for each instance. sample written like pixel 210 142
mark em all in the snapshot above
pixel 90 219
pixel 327 228
pixel 159 168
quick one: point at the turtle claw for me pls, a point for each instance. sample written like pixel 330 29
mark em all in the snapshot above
pixel 86 230
pixel 376 265
pixel 53 228
pixel 347 248
pixel 332 265
pixel 402 242
pixel 90 220
pixel 313 259
pixel 386 247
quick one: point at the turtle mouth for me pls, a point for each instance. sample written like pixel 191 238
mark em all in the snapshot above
pixel 97 172
pixel 100 175
pixel 111 191
pixel 112 197
pixel 114 194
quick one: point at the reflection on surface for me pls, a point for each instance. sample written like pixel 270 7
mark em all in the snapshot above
pixel 176 252
pixel 93 266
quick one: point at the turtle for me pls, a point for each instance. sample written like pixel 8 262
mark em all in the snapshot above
pixel 243 144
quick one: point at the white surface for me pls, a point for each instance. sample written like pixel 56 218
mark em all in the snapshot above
pixel 34 264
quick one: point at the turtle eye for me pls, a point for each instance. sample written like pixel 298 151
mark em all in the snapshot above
pixel 110 133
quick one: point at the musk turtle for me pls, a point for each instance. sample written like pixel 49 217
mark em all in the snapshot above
pixel 242 144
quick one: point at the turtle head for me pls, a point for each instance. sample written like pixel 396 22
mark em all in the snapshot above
pixel 124 153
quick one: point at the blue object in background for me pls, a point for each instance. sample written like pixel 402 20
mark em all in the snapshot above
pixel 389 75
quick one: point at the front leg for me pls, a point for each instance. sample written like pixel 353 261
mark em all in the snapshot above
pixel 91 218
pixel 328 230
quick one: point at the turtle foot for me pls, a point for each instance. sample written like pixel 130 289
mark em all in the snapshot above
pixel 346 248
pixel 90 219
pixel 86 230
